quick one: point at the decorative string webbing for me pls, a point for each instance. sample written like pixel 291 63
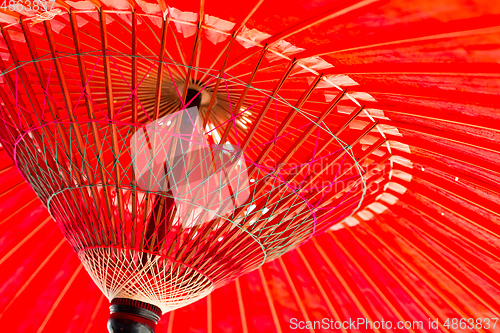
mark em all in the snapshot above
pixel 82 167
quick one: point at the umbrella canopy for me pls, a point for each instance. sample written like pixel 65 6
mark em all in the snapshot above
pixel 422 244
pixel 165 201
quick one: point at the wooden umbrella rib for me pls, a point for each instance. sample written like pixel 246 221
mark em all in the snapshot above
pixel 336 204
pixel 181 54
pixel 228 127
pixel 198 48
pixel 325 199
pixel 8 105
pixel 303 138
pixel 243 95
pixel 492 209
pixel 24 78
pixel 249 15
pixel 69 106
pixel 163 5
pixel 310 158
pixel 284 125
pixel 90 110
pixel 266 106
pixel 351 118
pixel 263 219
pixel 202 11
pixel 187 79
pixel 214 62
pixel 111 115
pixel 13 88
pixel 31 95
pixel 335 160
pixel 10 13
pixel 43 81
pixel 205 121
pixel 161 68
pixel 96 3
pixel 63 4
pixel 219 78
pixel 132 5
pixel 247 140
pixel 156 116
pixel 134 121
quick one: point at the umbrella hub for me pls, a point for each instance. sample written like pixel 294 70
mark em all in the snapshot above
pixel 131 316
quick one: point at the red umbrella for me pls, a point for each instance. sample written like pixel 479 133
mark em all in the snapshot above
pixel 416 241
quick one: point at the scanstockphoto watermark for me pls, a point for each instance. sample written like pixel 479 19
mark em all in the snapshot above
pixel 27 5
pixel 353 324
pixel 327 186
pixel 367 324
pixel 321 176
pixel 319 165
